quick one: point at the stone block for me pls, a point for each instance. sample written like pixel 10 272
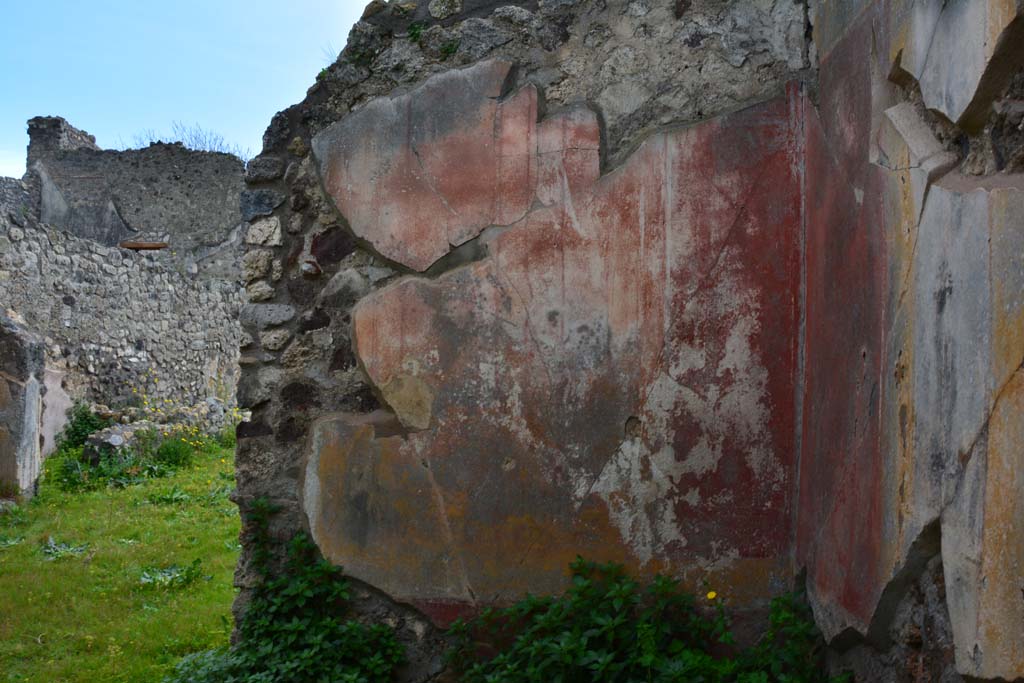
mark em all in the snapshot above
pixel 442 9
pixel 256 203
pixel 966 36
pixel 21 407
pixel 266 232
pixel 275 340
pixel 256 264
pixel 264 169
pixel 266 315
pixel 260 290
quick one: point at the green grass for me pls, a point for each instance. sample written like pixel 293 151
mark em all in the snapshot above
pixel 87 616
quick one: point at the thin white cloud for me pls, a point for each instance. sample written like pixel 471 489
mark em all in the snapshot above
pixel 12 164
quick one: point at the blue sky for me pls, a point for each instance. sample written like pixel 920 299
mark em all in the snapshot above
pixel 116 68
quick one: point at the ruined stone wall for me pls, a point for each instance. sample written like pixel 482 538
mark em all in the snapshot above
pixel 51 135
pixel 114 319
pixel 584 277
pixel 160 193
pixel 502 313
pixel 121 324
pixel 912 457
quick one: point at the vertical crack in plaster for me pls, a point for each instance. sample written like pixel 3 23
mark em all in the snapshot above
pixel 501 282
pixel 429 180
pixel 905 285
pixel 449 537
pixel 983 430
pixel 800 383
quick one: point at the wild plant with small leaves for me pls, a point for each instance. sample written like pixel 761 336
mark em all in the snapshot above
pixel 607 628
pixel 172 577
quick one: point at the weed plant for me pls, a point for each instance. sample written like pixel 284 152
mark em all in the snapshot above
pixel 54 550
pixel 82 423
pixel 172 577
pixel 151 455
pixel 607 628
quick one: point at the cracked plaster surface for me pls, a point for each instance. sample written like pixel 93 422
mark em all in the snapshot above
pixel 659 292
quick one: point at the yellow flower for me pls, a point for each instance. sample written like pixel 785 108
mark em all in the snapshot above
pixel 712 595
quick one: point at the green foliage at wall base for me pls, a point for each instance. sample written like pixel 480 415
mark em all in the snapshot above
pixel 82 423
pixel 606 628
pixel 292 631
pixel 150 455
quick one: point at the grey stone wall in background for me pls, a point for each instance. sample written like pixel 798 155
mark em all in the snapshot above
pixel 116 319
pixel 49 135
pixel 118 326
pixel 164 192
pixel 162 322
